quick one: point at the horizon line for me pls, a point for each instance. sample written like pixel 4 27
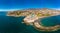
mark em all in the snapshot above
pixel 26 8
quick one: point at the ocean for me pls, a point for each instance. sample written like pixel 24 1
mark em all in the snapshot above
pixel 10 24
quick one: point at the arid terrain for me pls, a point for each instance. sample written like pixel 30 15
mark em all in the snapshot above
pixel 34 14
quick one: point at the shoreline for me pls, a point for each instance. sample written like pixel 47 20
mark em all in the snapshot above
pixel 39 27
pixel 32 16
pixel 43 28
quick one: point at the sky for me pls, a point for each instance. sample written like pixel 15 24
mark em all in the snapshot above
pixel 6 5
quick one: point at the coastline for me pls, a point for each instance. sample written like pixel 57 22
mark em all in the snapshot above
pixel 43 28
pixel 32 16
pixel 39 27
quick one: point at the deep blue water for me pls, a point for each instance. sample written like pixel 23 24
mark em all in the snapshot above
pixel 15 25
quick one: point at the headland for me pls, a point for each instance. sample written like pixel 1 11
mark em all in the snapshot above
pixel 33 15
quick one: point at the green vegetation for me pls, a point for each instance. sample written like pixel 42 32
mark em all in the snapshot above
pixel 39 14
pixel 47 14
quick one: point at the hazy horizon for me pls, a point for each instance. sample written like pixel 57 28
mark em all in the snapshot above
pixel 7 5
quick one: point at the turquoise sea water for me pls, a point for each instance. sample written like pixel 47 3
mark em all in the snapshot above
pixel 51 21
pixel 15 25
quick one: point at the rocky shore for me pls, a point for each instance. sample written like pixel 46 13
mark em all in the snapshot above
pixel 33 15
